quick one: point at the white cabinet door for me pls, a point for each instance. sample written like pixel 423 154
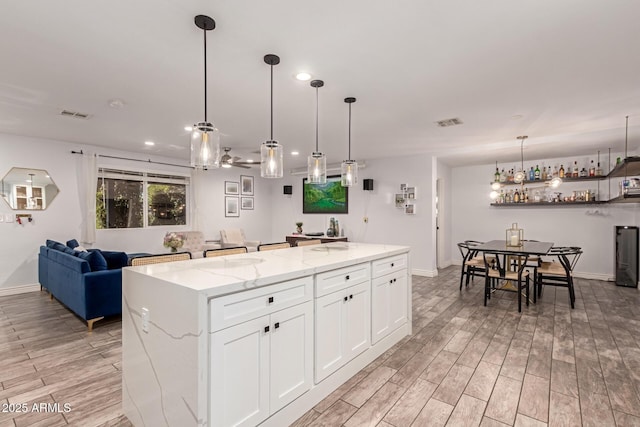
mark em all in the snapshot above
pixel 291 354
pixel 330 334
pixel 380 309
pixel 398 301
pixel 240 374
pixel 343 328
pixel 358 321
pixel 388 304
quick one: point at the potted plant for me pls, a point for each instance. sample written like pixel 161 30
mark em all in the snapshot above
pixel 299 227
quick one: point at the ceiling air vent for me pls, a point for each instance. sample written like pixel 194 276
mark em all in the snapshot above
pixel 76 114
pixel 449 122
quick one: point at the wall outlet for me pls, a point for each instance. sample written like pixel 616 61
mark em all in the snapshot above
pixel 145 320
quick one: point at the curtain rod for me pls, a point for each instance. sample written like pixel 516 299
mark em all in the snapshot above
pixel 134 160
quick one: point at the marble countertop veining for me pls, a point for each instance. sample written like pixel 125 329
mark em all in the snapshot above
pixel 233 273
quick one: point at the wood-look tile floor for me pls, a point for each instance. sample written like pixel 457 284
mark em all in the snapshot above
pixel 464 364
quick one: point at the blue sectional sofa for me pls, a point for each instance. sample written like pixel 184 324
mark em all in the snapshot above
pixel 89 282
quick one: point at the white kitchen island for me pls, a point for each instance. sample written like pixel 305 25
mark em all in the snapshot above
pixel 257 338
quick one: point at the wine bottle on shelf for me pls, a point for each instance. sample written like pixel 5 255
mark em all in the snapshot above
pixel 496 176
pixel 583 173
pixel 561 172
pixel 503 176
pixel 532 174
pixel 592 169
pixel 554 174
pixel 516 197
pixel 526 195
pixel 510 175
pixel 576 171
pixel 598 170
pixel 544 175
pixel 536 173
pixel 508 198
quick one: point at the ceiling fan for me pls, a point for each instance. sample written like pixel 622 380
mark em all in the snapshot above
pixel 226 161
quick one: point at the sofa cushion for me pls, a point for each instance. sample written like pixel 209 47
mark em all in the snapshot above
pixel 73 243
pixel 68 250
pixel 115 259
pixel 96 260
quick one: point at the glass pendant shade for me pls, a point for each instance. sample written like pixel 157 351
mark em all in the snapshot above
pixel 349 172
pixel 317 168
pixel 205 146
pixel 518 177
pixel 271 159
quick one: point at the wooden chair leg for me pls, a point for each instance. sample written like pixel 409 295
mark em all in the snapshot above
pixel 527 282
pixel 461 275
pixel 90 322
pixel 519 295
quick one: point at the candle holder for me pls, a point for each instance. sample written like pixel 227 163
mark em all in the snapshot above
pixel 514 235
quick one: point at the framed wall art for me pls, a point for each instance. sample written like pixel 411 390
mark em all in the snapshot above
pixel 231 208
pixel 246 185
pixel 231 187
pixel 246 203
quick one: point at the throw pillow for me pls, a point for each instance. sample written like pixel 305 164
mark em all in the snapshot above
pixel 51 243
pixel 95 259
pixel 59 247
pixel 73 243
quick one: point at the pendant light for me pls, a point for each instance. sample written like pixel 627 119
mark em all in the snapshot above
pixel 205 138
pixel 349 168
pixel 317 162
pixel 520 176
pixel 271 151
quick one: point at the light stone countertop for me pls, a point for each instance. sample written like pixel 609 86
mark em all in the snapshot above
pixel 219 276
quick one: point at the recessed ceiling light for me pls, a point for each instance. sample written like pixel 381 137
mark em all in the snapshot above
pixel 294 153
pixel 188 128
pixel 516 117
pixel 303 76
pixel 116 103
pixel 150 143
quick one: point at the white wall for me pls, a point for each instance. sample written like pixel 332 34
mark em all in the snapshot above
pixel 589 227
pixel 61 220
pixel 386 224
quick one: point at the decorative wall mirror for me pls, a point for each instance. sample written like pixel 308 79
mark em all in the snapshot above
pixel 28 189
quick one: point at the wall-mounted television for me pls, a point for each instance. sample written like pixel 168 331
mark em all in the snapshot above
pixel 329 198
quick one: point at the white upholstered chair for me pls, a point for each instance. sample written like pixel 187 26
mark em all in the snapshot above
pixel 194 242
pixel 235 237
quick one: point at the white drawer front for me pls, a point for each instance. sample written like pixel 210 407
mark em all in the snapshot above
pixel 242 306
pixel 335 280
pixel 389 265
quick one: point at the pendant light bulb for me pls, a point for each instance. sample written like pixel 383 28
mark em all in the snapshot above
pixel 205 138
pixel 271 151
pixel 317 162
pixel 349 168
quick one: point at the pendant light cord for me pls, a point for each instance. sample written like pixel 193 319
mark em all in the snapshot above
pixel 316 119
pixel 271 102
pixel 349 157
pixel 205 75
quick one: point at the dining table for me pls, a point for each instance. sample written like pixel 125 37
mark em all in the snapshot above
pixel 526 249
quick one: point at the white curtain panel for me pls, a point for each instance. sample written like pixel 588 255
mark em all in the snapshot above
pixel 87 171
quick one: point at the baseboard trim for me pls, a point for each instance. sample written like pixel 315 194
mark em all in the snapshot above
pixel 424 273
pixel 15 290
pixel 596 276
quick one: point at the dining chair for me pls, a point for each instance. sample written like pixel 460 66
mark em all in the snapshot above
pixel 308 242
pixel 499 275
pixel 158 259
pixel 559 271
pixel 225 251
pixel 273 246
pixel 472 263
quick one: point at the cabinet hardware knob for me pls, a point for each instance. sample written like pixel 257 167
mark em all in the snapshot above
pixel 270 300
pixel 277 325
pixel 350 296
pixel 266 329
pixel 394 280
pixel 392 264
pixel 347 278
pixel 345 298
pixel 391 281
